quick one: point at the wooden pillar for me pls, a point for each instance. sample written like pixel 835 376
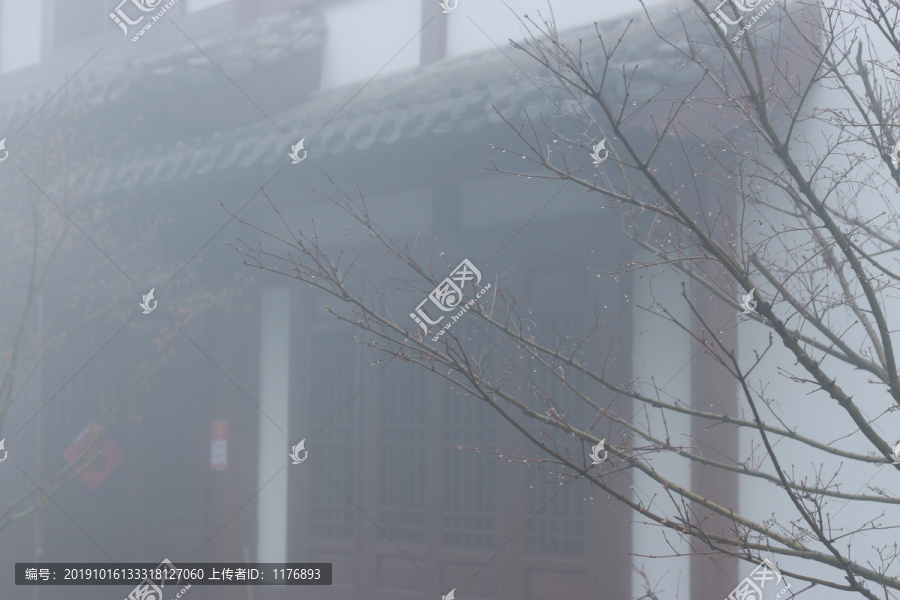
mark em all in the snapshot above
pixel 713 389
pixel 433 46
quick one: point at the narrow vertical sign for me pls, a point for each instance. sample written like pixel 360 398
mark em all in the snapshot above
pixel 218 445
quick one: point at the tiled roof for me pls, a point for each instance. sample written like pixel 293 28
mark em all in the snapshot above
pixel 454 95
pixel 266 41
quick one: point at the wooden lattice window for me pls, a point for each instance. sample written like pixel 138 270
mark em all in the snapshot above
pixel 402 448
pixel 76 20
pixel 469 511
pixel 332 514
pixel 559 524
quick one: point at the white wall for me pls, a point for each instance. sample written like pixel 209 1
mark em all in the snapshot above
pixel 274 398
pixel 816 414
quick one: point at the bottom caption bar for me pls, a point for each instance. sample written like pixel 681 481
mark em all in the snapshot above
pixel 156 577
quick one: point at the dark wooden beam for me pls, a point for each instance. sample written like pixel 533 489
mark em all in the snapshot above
pixel 434 37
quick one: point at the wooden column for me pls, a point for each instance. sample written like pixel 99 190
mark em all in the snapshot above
pixel 713 389
pixel 433 45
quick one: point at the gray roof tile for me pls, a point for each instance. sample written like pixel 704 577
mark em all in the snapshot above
pixel 451 95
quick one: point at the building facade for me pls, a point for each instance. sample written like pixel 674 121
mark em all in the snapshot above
pixel 202 109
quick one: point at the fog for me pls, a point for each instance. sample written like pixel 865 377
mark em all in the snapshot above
pixel 285 286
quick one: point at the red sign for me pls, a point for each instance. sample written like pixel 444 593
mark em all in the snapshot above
pixel 218 445
pixel 110 455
